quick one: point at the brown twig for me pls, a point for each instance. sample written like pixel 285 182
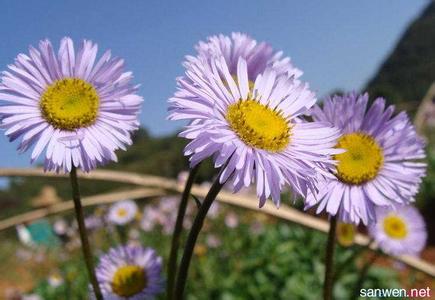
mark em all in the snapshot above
pixel 245 201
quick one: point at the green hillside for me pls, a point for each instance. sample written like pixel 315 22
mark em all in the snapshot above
pixel 407 73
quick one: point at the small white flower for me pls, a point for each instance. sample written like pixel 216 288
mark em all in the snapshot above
pixel 134 234
pixel 182 177
pixel 31 297
pixel 122 212
pixel 60 227
pixel 24 235
pixel 231 220
pixel 55 280
pixel 213 241
pixel 214 210
pixel 256 228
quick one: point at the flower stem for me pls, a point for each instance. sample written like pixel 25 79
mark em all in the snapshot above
pixel 83 235
pixel 193 235
pixel 173 256
pixel 329 260
pixel 122 234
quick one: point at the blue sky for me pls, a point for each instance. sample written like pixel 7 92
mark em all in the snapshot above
pixel 338 44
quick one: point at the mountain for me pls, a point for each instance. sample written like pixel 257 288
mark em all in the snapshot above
pixel 409 70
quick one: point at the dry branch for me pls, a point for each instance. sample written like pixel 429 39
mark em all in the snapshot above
pixel 69 205
pixel 245 201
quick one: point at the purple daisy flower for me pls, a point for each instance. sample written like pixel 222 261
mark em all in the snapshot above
pixel 399 230
pixel 380 165
pixel 251 127
pixel 258 56
pixel 78 109
pixel 130 272
pixel 93 222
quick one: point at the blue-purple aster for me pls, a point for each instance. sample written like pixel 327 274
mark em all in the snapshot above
pixel 399 230
pixel 246 118
pixel 381 164
pixel 258 56
pixel 130 272
pixel 75 107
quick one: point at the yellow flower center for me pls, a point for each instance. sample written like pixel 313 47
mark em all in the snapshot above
pixel 200 250
pixel 345 234
pixel 395 227
pixel 129 281
pixel 56 276
pixel 69 104
pixel 362 160
pixel 122 212
pixel 258 125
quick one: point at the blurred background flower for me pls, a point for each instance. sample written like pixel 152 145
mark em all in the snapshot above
pixel 122 212
pixel 399 230
pixel 346 234
pixel 231 220
pixel 55 280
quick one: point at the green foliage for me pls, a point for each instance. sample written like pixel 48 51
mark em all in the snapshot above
pixel 284 261
pixel 74 287
pixel 428 185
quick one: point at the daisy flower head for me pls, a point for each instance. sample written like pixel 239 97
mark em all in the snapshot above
pixel 75 107
pixel 250 126
pixel 399 230
pixel 380 165
pixel 258 56
pixel 122 212
pixel 130 272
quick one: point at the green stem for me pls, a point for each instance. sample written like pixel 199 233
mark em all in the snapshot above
pixel 109 231
pixel 122 234
pixel 329 260
pixel 175 245
pixel 67 284
pixel 87 253
pixel 363 274
pixel 193 236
